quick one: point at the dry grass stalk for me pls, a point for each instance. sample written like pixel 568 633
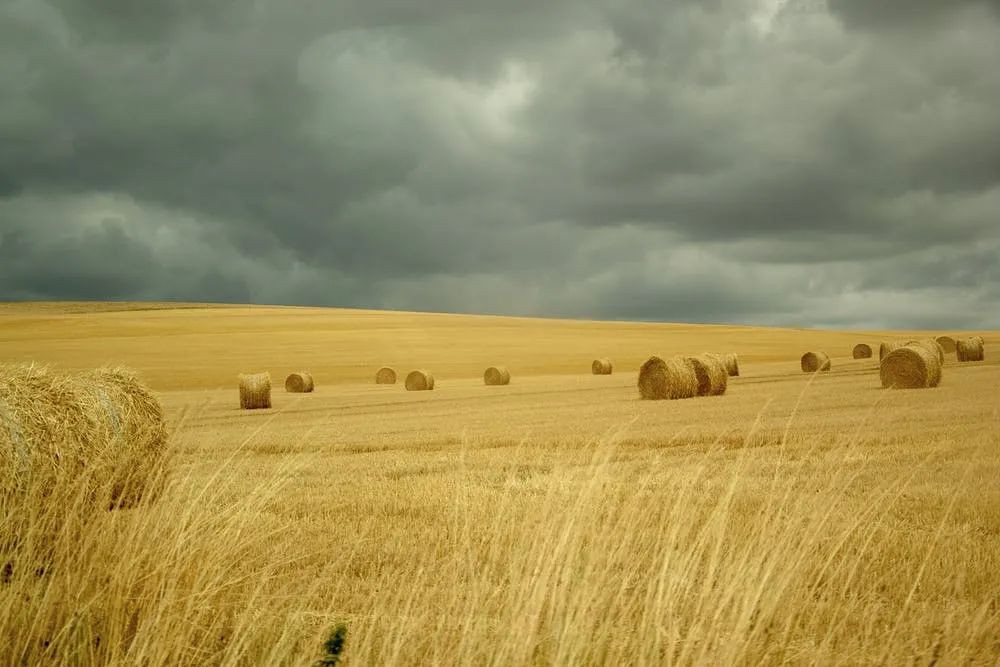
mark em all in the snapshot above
pixel 862 351
pixel 970 349
pixel 601 367
pixel 947 344
pixel 913 366
pixel 56 427
pixel 385 375
pixel 255 391
pixel 496 375
pixel 419 381
pixel 813 362
pixel 713 378
pixel 299 383
pixel 673 378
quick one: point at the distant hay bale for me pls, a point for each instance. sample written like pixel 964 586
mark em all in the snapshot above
pixel 862 351
pixel 887 347
pixel 299 383
pixel 947 344
pixel 711 373
pixel 419 381
pixel 970 349
pixel 102 427
pixel 671 379
pixel 732 363
pixel 385 375
pixel 255 391
pixel 931 345
pixel 496 375
pixel 601 367
pixel 910 367
pixel 813 362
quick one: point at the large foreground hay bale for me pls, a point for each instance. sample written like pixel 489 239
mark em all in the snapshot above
pixel 710 371
pixel 970 349
pixel 299 383
pixel 671 379
pixel 385 375
pixel 601 367
pixel 862 351
pixel 103 427
pixel 496 375
pixel 419 381
pixel 813 362
pixel 885 348
pixel 255 391
pixel 931 346
pixel 910 367
pixel 732 363
pixel 947 344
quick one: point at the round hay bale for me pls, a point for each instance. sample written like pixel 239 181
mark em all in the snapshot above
pixel 885 348
pixel 601 367
pixel 299 383
pixel 255 391
pixel 813 362
pixel 419 381
pixel 970 349
pixel 732 364
pixel 671 379
pixel 931 346
pixel 710 371
pixel 947 344
pixel 101 427
pixel 862 351
pixel 385 375
pixel 910 367
pixel 496 375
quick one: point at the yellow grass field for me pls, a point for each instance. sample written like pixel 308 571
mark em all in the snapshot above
pixel 558 520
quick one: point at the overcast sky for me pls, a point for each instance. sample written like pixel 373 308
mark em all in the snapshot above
pixel 751 161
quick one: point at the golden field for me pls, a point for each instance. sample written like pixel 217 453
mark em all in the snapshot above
pixel 557 520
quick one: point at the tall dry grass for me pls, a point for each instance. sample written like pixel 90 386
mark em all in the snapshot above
pixel 800 549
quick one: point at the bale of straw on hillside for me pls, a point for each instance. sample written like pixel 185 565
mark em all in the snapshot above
pixel 101 427
pixel 813 362
pixel 299 383
pixel 385 375
pixel 419 381
pixel 255 391
pixel 710 371
pixel 910 367
pixel 496 375
pixel 947 344
pixel 887 347
pixel 862 351
pixel 732 364
pixel 931 346
pixel 673 378
pixel 970 349
pixel 601 367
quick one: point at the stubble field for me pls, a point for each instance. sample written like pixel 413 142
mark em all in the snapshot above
pixel 557 520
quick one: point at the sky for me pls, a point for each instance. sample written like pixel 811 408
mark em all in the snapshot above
pixel 778 162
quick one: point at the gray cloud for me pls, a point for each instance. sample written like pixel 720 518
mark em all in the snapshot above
pixel 733 160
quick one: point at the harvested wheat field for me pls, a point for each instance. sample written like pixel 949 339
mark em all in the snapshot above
pixel 796 518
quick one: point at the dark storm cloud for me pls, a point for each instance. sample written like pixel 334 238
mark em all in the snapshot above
pixel 732 160
pixel 903 14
